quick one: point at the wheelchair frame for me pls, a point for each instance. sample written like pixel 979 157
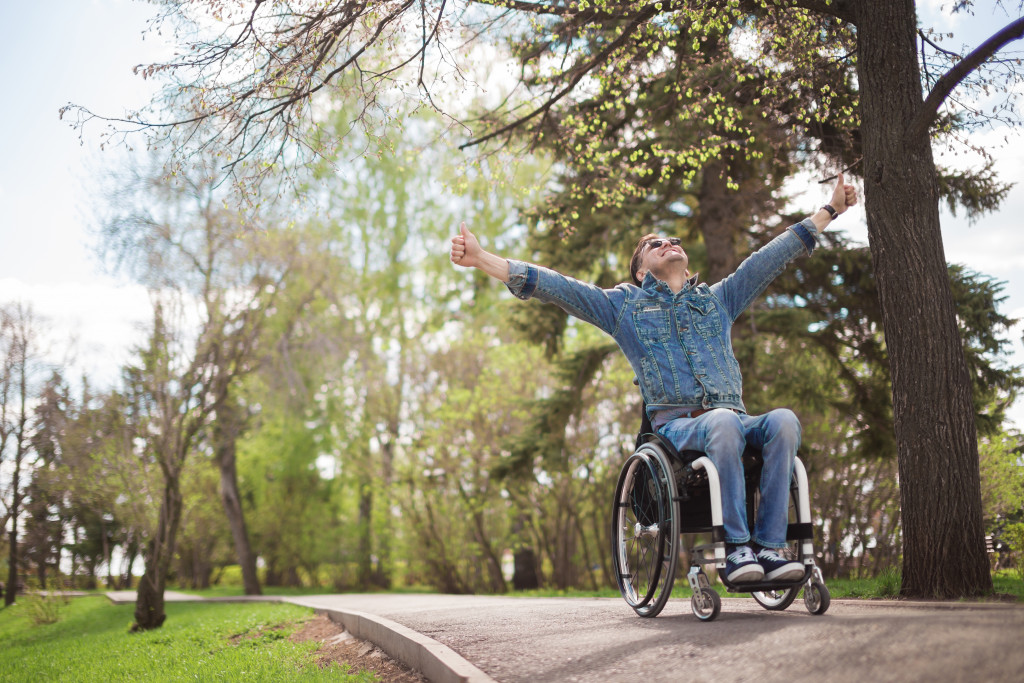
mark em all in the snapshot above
pixel 660 495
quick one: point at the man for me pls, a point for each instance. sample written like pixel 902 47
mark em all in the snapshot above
pixel 675 332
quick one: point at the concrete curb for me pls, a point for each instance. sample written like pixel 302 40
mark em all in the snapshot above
pixel 926 604
pixel 436 661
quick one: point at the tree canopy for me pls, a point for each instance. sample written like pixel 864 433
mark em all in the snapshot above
pixel 666 115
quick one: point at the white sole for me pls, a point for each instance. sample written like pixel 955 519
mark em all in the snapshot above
pixel 786 573
pixel 747 574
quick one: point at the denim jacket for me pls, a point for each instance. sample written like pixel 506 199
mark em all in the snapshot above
pixel 679 344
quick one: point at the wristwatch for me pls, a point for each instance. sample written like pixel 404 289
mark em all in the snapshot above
pixel 831 212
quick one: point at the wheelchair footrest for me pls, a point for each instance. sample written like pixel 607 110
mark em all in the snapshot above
pixel 755 586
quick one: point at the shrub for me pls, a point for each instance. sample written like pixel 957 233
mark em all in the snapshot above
pixel 44 609
pixel 1013 536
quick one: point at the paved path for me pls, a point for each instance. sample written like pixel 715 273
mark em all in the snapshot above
pixel 600 639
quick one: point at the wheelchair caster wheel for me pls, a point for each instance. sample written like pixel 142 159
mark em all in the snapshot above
pixel 816 597
pixel 706 604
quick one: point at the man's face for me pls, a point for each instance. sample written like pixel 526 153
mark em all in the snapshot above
pixel 661 256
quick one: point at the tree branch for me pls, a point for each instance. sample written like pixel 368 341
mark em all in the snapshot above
pixel 581 71
pixel 840 9
pixel 945 85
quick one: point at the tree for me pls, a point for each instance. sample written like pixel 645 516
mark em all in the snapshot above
pixel 182 241
pixel 943 532
pixel 876 42
pixel 20 359
pixel 47 505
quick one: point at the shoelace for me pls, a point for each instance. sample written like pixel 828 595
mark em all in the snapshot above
pixel 743 554
pixel 770 554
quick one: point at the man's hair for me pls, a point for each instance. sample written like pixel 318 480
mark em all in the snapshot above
pixel 634 263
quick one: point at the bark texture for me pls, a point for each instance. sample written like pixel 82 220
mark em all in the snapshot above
pixel 226 431
pixel 719 222
pixel 940 494
pixel 149 600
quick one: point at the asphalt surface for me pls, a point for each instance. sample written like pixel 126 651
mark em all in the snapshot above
pixel 485 638
pixel 601 639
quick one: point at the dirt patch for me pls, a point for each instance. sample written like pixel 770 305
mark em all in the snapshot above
pixel 338 646
pixel 256 633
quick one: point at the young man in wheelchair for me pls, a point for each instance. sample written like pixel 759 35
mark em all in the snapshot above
pixel 675 332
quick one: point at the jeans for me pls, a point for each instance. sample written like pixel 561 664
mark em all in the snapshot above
pixel 722 434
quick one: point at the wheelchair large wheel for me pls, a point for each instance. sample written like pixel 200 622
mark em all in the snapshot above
pixel 670 553
pixel 645 532
pixel 638 541
pixel 775 600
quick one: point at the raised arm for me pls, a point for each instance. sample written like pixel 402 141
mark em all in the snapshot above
pixel 589 303
pixel 757 271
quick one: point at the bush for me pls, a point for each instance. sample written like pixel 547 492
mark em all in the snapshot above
pixel 44 609
pixel 229 575
pixel 1013 536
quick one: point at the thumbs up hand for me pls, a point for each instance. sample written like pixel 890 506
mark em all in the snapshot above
pixel 843 196
pixel 465 248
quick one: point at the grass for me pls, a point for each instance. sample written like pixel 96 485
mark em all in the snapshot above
pixel 199 641
pixel 1009 582
pixel 236 591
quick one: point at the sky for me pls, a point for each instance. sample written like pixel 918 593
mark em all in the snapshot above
pixel 83 51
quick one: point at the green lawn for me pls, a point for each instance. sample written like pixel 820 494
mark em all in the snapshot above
pixel 198 642
pixel 235 591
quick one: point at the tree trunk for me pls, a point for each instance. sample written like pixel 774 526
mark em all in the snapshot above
pixel 382 572
pixel 149 603
pixel 19 454
pixel 495 579
pixel 717 221
pixel 149 600
pixel 940 491
pixel 12 558
pixel 12 562
pixel 107 550
pixel 524 576
pixel 131 551
pixel 225 434
pixel 74 557
pixel 365 559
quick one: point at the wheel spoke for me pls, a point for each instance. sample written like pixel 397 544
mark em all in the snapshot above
pixel 639 533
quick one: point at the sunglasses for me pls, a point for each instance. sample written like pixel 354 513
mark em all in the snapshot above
pixel 674 241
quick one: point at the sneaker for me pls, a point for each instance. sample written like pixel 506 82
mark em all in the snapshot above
pixel 741 566
pixel 778 568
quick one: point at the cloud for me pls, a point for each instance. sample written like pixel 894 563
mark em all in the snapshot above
pixel 89 328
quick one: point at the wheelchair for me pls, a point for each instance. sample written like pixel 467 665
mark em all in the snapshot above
pixel 662 494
